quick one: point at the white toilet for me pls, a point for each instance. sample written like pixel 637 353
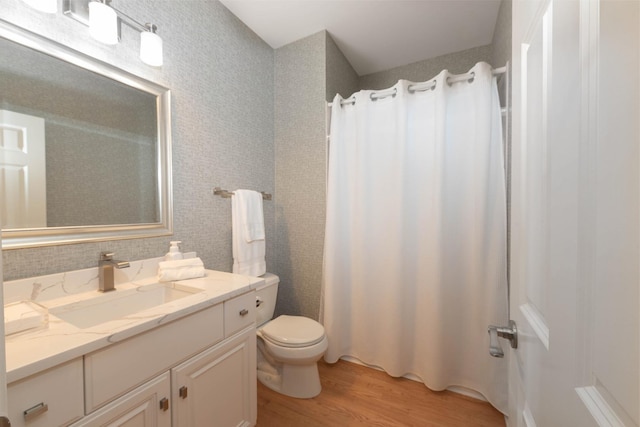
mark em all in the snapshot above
pixel 289 347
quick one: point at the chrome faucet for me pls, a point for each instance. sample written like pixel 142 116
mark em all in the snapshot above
pixel 105 267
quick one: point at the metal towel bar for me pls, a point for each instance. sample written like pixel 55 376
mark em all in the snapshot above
pixel 227 194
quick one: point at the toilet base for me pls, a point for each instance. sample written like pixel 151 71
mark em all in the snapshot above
pixel 299 381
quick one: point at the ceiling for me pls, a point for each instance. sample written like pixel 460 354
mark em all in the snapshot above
pixel 374 35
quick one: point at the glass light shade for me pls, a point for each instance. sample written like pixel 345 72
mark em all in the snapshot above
pixel 46 6
pixel 151 49
pixel 103 23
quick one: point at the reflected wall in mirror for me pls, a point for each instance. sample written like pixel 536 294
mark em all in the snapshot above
pixel 84 147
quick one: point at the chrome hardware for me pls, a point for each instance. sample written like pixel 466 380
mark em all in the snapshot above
pixel 4 422
pixel 34 411
pixel 259 301
pixel 105 271
pixel 510 333
pixel 183 392
pixel 244 312
pixel 164 404
pixel 217 191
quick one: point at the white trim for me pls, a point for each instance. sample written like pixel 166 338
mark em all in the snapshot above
pixel 4 406
pixel 600 410
pixel 537 322
pixel 589 54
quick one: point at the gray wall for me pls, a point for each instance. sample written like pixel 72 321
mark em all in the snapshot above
pixel 501 43
pixel 300 154
pixel 221 77
pixel 456 63
pixel 340 76
pixel 304 72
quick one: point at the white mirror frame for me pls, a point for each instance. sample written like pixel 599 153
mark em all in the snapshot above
pixel 49 236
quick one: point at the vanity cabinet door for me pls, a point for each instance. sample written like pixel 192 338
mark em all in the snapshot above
pixel 146 406
pixel 51 398
pixel 217 388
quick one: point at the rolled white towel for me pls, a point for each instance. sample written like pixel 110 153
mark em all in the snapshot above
pixel 181 269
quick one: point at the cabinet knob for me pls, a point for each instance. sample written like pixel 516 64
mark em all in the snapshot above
pixel 164 404
pixel 4 422
pixel 244 312
pixel 183 392
pixel 34 411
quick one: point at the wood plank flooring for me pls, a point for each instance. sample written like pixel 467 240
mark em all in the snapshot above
pixel 354 395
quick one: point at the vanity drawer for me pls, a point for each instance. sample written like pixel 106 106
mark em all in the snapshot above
pixel 50 398
pixel 117 369
pixel 239 312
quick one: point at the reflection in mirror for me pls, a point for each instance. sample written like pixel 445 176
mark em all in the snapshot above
pixel 84 147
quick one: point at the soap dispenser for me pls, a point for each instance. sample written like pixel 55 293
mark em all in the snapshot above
pixel 174 251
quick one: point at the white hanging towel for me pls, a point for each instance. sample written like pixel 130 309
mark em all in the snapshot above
pixel 248 233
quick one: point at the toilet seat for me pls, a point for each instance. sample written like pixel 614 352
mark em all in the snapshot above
pixel 293 331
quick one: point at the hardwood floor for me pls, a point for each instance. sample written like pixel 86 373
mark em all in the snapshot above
pixel 354 395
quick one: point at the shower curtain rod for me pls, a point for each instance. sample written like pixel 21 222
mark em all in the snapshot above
pixel 421 87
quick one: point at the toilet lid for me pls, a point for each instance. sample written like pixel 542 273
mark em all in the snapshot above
pixel 293 331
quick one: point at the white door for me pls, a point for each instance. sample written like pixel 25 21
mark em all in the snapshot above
pixel 4 408
pixel 575 217
pixel 22 171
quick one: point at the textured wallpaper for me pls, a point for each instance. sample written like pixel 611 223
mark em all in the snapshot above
pixel 300 171
pixel 307 72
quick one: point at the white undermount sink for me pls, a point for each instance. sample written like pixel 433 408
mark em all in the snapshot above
pixel 120 303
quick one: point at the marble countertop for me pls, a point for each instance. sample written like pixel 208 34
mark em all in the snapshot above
pixel 31 352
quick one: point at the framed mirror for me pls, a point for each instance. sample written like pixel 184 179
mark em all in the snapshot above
pixel 85 148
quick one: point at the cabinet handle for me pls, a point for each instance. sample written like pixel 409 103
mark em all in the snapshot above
pixel 183 392
pixel 34 411
pixel 164 404
pixel 244 312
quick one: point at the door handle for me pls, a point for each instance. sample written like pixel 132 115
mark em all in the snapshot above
pixel 508 332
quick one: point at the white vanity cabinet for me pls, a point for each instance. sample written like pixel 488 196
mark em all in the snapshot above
pixel 196 371
pixel 218 386
pixel 50 398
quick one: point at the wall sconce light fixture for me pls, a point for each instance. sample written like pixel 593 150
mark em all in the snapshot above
pixel 46 6
pixel 151 46
pixel 104 25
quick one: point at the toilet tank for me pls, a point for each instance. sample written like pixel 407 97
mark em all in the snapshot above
pixel 266 296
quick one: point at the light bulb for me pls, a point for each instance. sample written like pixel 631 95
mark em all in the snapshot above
pixel 103 23
pixel 151 48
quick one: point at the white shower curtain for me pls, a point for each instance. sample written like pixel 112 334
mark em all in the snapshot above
pixel 415 245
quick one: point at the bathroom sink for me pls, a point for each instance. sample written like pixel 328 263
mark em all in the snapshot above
pixel 120 303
